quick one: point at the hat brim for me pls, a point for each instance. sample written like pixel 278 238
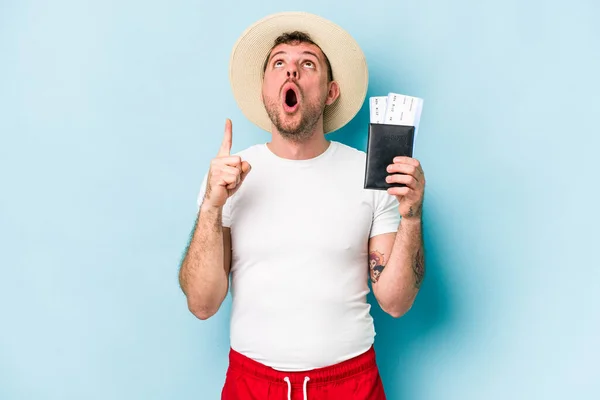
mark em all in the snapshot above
pixel 347 60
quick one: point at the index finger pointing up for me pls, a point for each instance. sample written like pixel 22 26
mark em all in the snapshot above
pixel 227 140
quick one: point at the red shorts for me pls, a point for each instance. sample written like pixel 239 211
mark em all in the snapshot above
pixel 354 379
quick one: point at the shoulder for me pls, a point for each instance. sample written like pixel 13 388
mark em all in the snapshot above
pixel 344 150
pixel 348 157
pixel 348 153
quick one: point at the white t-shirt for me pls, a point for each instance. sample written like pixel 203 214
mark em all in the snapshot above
pixel 299 273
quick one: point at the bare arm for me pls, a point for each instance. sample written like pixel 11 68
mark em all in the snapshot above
pixel 400 268
pixel 401 257
pixel 204 272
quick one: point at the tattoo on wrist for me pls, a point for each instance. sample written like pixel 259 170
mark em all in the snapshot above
pixel 412 212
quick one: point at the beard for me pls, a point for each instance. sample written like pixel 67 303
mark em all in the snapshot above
pixel 294 129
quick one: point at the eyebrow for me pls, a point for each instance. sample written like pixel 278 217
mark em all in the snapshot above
pixel 304 52
pixel 312 54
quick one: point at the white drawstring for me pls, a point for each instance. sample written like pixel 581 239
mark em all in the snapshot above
pixel 289 387
pixel 306 379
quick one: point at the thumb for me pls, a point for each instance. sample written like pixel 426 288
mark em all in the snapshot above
pixel 246 167
pixel 227 140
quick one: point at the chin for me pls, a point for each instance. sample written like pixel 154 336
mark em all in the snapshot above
pixel 290 122
pixel 297 126
pixel 280 117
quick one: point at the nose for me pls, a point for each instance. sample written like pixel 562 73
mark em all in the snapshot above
pixel 292 71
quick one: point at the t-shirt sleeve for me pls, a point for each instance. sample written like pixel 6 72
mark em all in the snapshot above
pixel 226 218
pixel 386 216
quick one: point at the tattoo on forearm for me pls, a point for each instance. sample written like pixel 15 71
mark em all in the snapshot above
pixel 419 267
pixel 376 265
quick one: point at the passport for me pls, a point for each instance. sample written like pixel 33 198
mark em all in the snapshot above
pixel 391 133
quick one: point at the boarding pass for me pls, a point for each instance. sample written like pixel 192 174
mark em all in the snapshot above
pixel 396 109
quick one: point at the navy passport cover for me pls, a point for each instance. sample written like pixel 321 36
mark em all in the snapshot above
pixel 383 144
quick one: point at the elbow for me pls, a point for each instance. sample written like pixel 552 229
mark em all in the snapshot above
pixel 202 314
pixel 396 312
pixel 398 309
pixel 201 311
pixel 201 303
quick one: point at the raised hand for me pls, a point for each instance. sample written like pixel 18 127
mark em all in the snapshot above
pixel 408 171
pixel 226 172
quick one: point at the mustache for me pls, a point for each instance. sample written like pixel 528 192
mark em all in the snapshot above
pixel 298 89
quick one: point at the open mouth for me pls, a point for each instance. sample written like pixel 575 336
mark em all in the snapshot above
pixel 290 99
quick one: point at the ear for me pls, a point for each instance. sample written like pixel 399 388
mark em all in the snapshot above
pixel 333 94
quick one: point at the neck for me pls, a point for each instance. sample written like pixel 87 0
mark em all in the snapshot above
pixel 308 148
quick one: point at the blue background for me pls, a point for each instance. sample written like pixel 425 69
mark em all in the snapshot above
pixel 110 112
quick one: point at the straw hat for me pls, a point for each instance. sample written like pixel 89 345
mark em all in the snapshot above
pixel 347 61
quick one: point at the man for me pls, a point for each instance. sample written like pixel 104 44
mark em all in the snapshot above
pixel 292 224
